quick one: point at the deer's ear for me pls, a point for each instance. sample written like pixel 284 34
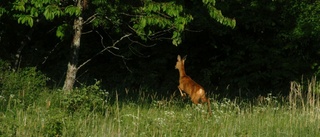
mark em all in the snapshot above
pixel 178 58
pixel 184 58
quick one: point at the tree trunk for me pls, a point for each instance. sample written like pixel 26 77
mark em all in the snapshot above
pixel 74 54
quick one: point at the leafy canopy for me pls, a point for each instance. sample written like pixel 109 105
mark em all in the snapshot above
pixel 27 12
pixel 171 16
pixel 150 20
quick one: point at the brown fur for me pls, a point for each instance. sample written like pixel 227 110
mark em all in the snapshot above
pixel 195 91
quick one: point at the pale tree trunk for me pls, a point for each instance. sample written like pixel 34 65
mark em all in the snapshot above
pixel 74 54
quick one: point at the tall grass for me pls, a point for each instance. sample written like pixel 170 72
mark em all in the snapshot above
pixel 295 115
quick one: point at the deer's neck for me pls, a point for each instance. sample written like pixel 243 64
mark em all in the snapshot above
pixel 182 72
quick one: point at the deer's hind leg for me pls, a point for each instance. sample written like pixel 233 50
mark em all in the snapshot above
pixel 204 99
pixel 195 99
pixel 200 94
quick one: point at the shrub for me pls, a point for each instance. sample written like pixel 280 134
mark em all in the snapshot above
pixel 87 98
pixel 55 123
pixel 21 87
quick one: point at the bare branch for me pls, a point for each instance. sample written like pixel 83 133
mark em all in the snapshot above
pixel 139 43
pixel 193 30
pixel 135 30
pixel 108 18
pixel 160 38
pixel 101 39
pixel 136 52
pixel 127 35
pixel 156 35
pixel 50 52
pixel 90 19
pixel 87 32
pixel 125 63
pixel 163 15
pixel 80 75
pixel 160 33
pixel 107 49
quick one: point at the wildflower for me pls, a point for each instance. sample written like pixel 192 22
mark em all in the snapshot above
pixel 170 114
pixel 160 122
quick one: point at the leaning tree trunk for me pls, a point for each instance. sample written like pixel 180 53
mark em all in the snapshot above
pixel 74 54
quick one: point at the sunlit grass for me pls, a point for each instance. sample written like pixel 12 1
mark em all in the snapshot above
pixel 269 116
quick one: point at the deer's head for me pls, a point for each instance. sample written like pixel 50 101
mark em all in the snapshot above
pixel 180 62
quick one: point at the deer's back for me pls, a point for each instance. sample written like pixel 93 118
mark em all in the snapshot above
pixel 188 85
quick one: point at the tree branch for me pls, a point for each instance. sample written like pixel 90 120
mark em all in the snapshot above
pixel 143 45
pixel 90 19
pixel 156 35
pixel 50 52
pixel 107 49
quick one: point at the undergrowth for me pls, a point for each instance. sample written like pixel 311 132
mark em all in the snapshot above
pixel 92 111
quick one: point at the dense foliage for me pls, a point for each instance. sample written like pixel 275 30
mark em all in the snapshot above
pixel 273 43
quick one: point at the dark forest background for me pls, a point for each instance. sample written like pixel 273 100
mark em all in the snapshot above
pixel 274 42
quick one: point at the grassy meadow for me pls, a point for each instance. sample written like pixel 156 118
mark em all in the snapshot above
pixel 89 111
pixel 50 115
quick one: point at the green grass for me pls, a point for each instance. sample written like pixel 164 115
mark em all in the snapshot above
pixel 266 117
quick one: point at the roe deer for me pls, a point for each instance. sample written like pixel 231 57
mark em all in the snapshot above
pixel 193 89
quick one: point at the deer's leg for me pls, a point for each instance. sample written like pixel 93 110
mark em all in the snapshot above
pixel 182 94
pixel 204 99
pixel 195 99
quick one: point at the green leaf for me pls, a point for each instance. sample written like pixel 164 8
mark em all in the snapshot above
pixel 217 15
pixel 143 23
pixel 34 12
pixel 2 11
pixel 211 2
pixel 73 10
pixel 176 38
pixel 26 20
pixel 60 33
pixel 19 6
pixel 37 3
pixel 52 11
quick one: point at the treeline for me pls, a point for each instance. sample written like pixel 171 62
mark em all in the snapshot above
pixel 273 43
